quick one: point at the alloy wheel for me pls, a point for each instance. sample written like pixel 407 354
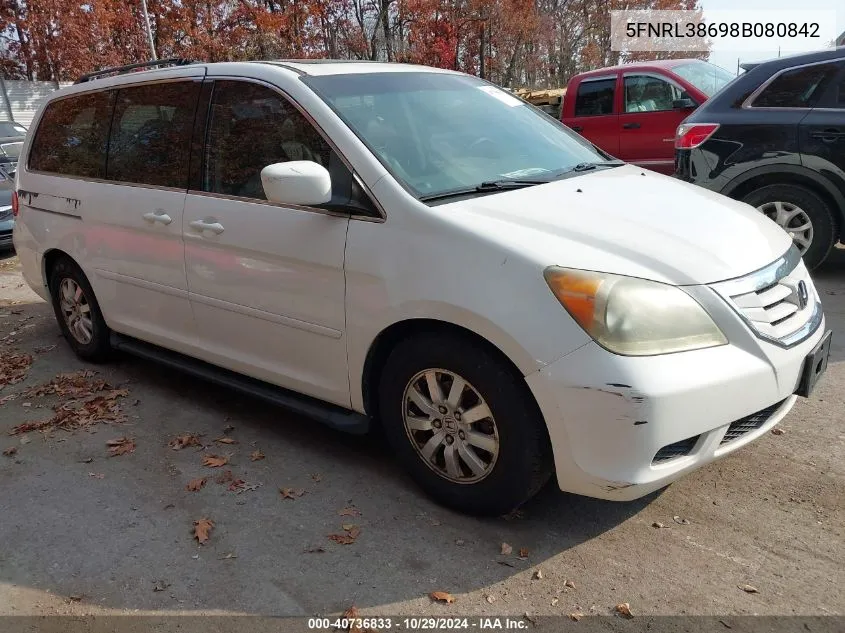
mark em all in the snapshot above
pixel 76 311
pixel 792 219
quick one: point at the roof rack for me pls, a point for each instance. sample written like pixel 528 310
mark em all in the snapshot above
pixel 121 70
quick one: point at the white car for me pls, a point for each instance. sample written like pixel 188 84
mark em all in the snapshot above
pixel 381 243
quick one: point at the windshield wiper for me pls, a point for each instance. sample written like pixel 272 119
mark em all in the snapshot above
pixel 488 186
pixel 595 164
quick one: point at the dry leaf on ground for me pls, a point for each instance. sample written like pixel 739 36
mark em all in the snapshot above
pixel 228 428
pixel 10 451
pixel 291 493
pixel 97 475
pixel 569 583
pixel 256 456
pixel 184 441
pixel 352 533
pixel 680 521
pixel 214 461
pixel 778 431
pixel 441 596
pixel 78 412
pixel 315 550
pixel 523 552
pixel 13 368
pixel 506 549
pixel 490 598
pixel 351 613
pixel 749 588
pixel 236 485
pixel 538 575
pixel 317 477
pixel 575 616
pixel 624 609
pixel 226 440
pixel 225 477
pixel 350 511
pixel 202 530
pixel 196 484
pixel 121 446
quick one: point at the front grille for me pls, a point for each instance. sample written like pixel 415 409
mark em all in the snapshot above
pixel 778 303
pixel 673 451
pixel 749 423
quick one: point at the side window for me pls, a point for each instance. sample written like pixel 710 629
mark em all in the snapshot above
pixel 250 127
pixel 151 134
pixel 595 97
pixel 72 135
pixel 797 88
pixel 649 94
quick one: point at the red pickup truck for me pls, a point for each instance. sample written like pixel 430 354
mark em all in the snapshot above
pixel 632 111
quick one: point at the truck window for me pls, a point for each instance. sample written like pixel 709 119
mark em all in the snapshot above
pixel 595 97
pixel 644 93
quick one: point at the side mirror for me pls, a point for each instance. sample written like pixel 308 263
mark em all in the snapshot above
pixel 301 182
pixel 684 103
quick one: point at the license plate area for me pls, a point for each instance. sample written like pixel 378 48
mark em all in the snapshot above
pixel 814 366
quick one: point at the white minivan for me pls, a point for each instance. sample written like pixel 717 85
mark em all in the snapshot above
pixel 372 243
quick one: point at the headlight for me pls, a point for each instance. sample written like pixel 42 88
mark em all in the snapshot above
pixel 632 316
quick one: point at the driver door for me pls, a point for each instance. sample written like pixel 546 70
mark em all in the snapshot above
pixel 266 281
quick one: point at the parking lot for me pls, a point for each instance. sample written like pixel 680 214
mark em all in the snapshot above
pixel 312 521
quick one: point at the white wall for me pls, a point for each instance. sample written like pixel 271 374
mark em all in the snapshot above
pixel 24 97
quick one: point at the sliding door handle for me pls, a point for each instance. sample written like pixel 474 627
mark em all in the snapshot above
pixel 158 216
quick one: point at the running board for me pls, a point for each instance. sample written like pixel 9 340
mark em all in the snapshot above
pixel 329 414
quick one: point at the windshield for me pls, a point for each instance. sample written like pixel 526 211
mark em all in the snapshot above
pixel 440 132
pixel 708 78
pixel 11 129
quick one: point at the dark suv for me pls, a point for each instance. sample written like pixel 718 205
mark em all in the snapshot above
pixel 775 138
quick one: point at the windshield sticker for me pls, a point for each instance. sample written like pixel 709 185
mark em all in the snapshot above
pixel 501 95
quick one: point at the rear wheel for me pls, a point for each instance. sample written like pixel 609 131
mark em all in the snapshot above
pixel 802 214
pixel 464 424
pixel 78 312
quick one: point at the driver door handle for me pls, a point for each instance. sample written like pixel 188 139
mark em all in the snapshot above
pixel 203 225
pixel 158 216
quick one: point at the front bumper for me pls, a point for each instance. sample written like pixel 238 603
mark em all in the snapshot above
pixel 609 416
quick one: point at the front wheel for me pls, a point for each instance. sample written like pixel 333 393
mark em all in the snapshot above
pixel 464 424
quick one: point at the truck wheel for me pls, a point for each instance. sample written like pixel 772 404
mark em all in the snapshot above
pixel 78 312
pixel 464 424
pixel 803 215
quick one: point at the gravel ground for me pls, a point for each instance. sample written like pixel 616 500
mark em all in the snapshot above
pixel 85 533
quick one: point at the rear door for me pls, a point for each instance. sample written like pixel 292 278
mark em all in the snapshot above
pixel 648 120
pixel 822 132
pixel 595 116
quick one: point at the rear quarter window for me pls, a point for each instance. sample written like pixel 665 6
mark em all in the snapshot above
pixel 798 87
pixel 72 136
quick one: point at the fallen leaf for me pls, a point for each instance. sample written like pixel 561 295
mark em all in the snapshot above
pixel 748 588
pixel 657 524
pixel 554 601
pixel 228 556
pixel 183 441
pixel 160 585
pixel 228 428
pixel 236 485
pixel 523 552
pixel 225 477
pixel 317 477
pixel 725 624
pixel 195 484
pixel 77 598
pixel 347 526
pixel 290 493
pixel 490 598
pixel 778 431
pixel 10 451
pixel 569 584
pixel 87 460
pixel 97 475
pixel 315 550
pixel 13 368
pixel 506 549
pixel 351 613
pixel 43 349
pixel 350 511
pixel 226 440
pixel 624 609
pixel 214 461
pixel 342 539
pixel 680 521
pixel 441 596
pixel 202 530
pixel 256 456
pixel 120 446
pixel 575 616
pixel 538 575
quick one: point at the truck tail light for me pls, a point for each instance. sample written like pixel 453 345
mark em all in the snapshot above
pixel 691 135
pixel 15 203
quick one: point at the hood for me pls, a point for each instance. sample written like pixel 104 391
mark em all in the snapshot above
pixel 629 221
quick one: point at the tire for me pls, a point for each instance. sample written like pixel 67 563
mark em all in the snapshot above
pixel 824 226
pixel 523 458
pixel 67 275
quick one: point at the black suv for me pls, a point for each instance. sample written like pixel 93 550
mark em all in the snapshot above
pixel 775 138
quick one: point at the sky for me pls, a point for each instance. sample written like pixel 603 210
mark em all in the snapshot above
pixel 727 59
